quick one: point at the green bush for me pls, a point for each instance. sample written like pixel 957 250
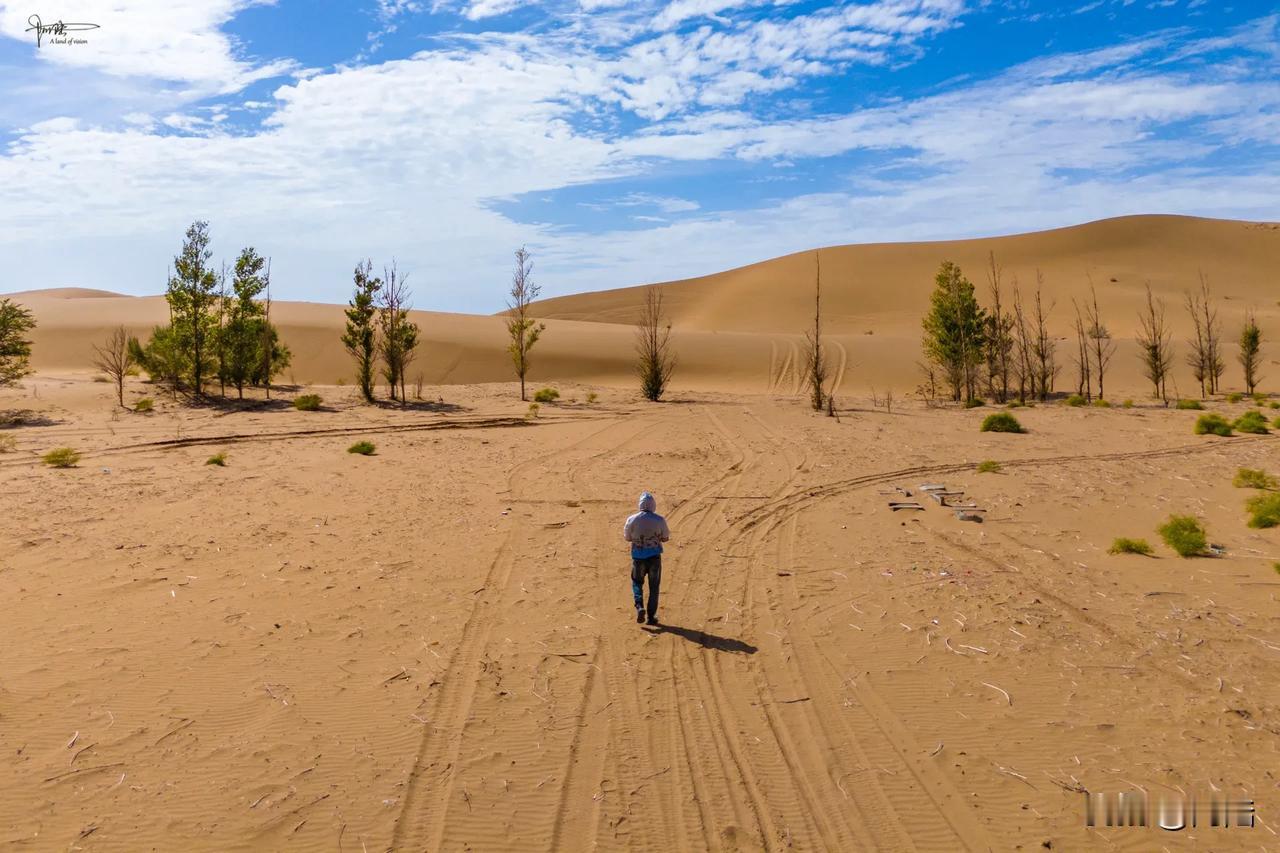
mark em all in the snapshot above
pixel 1001 422
pixel 1075 400
pixel 219 459
pixel 1190 404
pixel 1265 510
pixel 1184 535
pixel 1260 399
pixel 975 403
pixel 61 457
pixel 1101 403
pixel 546 395
pixel 1274 404
pixel 307 403
pixel 1234 397
pixel 1128 404
pixel 145 405
pixel 990 466
pixel 533 411
pixel 364 448
pixel 1212 423
pixel 1016 404
pixel 1253 422
pixel 1252 478
pixel 1124 545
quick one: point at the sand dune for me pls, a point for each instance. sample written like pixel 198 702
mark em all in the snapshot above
pixel 741 330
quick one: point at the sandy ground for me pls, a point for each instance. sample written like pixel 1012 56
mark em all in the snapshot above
pixel 434 647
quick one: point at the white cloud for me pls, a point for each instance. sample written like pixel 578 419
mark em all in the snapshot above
pixel 170 40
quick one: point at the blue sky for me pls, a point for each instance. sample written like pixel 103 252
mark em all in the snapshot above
pixel 621 142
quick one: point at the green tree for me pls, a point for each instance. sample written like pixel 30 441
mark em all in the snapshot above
pixel 15 348
pixel 360 337
pixel 522 328
pixel 1251 351
pixel 955 331
pixel 399 335
pixel 193 299
pixel 162 356
pixel 242 331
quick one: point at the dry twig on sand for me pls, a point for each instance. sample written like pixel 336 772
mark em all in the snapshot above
pixel 1007 697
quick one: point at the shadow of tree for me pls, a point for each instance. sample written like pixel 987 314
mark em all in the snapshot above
pixel 11 418
pixel 707 641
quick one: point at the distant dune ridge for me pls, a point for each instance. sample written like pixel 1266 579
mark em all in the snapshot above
pixel 740 330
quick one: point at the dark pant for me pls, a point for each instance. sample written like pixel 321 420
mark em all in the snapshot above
pixel 651 566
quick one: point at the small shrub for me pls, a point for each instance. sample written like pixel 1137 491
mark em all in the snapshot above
pixel 364 448
pixel 101 378
pixel 219 459
pixel 1128 404
pixel 1252 478
pixel 546 395
pixel 1190 404
pixel 1074 400
pixel 1101 404
pixel 1124 545
pixel 1184 535
pixel 1234 397
pixel 342 381
pixel 1214 424
pixel 61 457
pixel 1274 404
pixel 975 403
pixel 1260 399
pixel 592 396
pixel 1276 566
pixel 990 466
pixel 307 403
pixel 1001 422
pixel 1253 422
pixel 1016 404
pixel 145 405
pixel 1265 510
pixel 8 444
pixel 533 411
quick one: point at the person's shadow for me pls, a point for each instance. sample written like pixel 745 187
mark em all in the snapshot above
pixel 702 638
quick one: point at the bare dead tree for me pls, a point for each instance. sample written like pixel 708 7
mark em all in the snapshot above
pixel 1044 347
pixel 655 361
pixel 1104 348
pixel 1023 368
pixel 399 335
pixel 1214 364
pixel 1083 362
pixel 999 338
pixel 815 357
pixel 1156 345
pixel 114 358
pixel 523 329
pixel 1198 357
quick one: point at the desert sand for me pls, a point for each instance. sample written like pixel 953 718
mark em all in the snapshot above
pixel 434 648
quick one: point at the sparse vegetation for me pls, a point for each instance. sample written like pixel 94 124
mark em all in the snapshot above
pixel 1250 354
pixel 1185 535
pixel 1253 422
pixel 145 405
pixel 522 329
pixel 219 459
pixel 975 403
pixel 1075 400
pixel 15 349
pixel 655 361
pixel 1127 404
pixel 115 359
pixel 307 403
pixel 1253 478
pixel 546 395
pixel 364 448
pixel 592 396
pixel 398 335
pixel 1265 510
pixel 1213 424
pixel 989 466
pixel 1155 342
pixel 955 331
pixel 8 444
pixel 1274 404
pixel 1101 404
pixel 1234 397
pixel 1191 405
pixel 533 411
pixel 1001 422
pixel 1124 545
pixel 61 457
pixel 360 336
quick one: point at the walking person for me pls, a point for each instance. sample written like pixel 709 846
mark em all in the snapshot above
pixel 646 531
